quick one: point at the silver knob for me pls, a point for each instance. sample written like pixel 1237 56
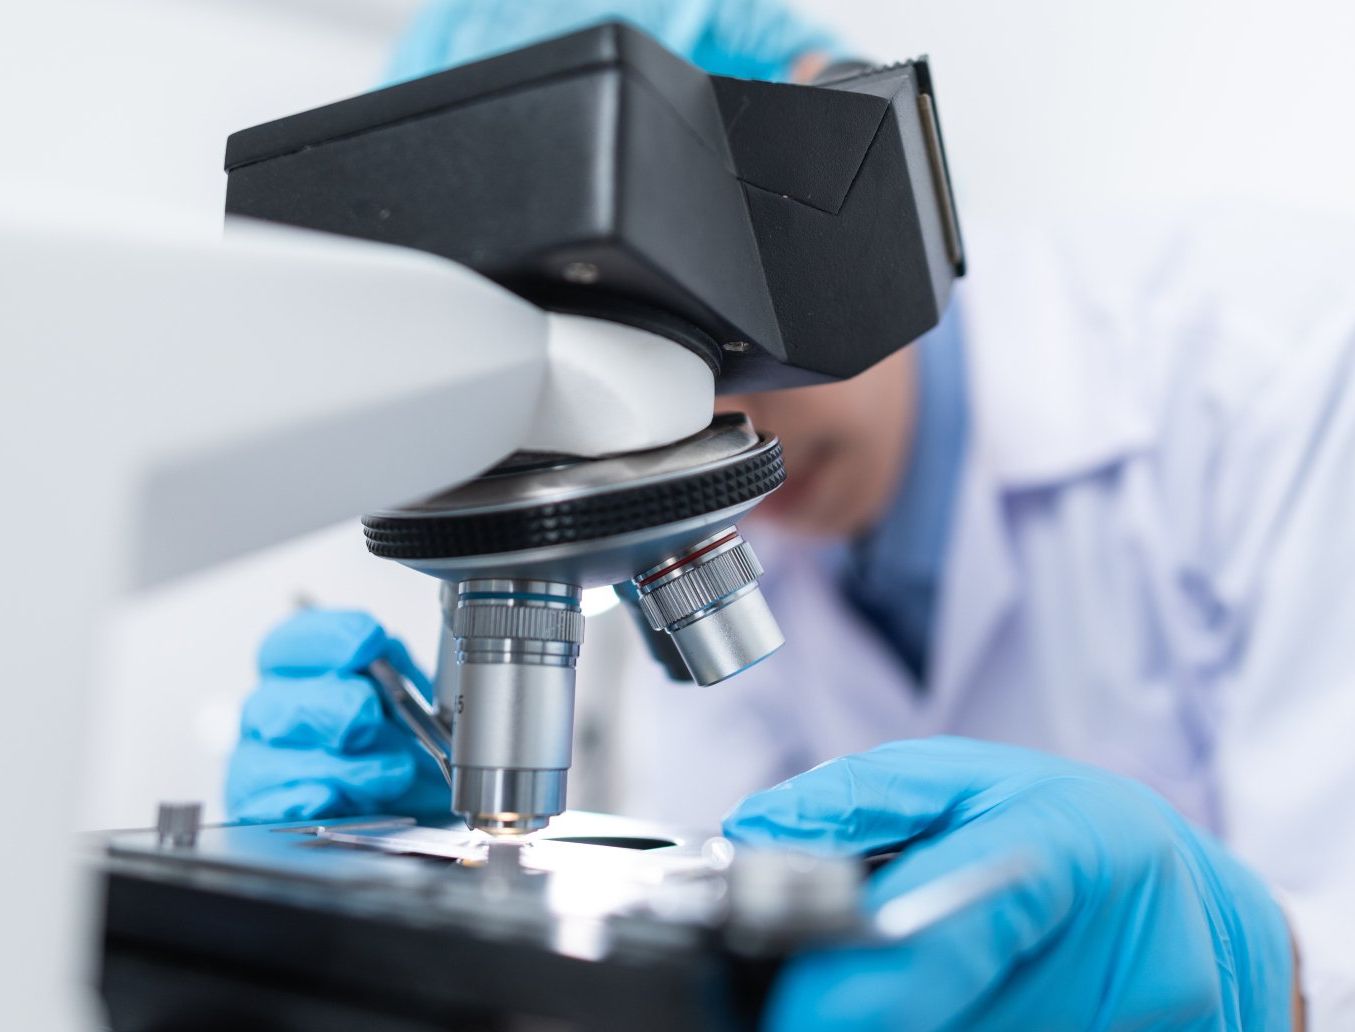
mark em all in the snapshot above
pixel 780 894
pixel 707 599
pixel 177 824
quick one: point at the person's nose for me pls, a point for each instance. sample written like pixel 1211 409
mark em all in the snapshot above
pixel 745 403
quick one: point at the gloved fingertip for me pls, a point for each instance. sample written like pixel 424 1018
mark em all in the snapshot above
pixel 374 780
pixel 339 712
pixel 761 829
pixel 266 782
pixel 876 800
pixel 363 727
pixel 318 640
pixel 785 815
pixel 298 801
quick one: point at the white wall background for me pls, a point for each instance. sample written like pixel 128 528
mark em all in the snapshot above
pixel 1047 105
pixel 136 97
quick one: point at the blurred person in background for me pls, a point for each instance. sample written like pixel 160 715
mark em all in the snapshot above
pixel 1100 523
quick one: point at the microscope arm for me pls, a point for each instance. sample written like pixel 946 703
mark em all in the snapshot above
pixel 283 380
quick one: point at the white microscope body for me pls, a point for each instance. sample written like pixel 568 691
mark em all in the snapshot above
pixel 171 402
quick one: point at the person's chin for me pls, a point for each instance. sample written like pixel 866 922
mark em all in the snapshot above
pixel 809 513
pixel 806 473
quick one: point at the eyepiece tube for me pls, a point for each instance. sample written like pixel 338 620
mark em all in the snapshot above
pixel 512 700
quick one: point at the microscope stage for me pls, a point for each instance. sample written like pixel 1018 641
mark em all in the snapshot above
pixel 385 924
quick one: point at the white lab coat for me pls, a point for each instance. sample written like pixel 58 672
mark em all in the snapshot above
pixel 1151 565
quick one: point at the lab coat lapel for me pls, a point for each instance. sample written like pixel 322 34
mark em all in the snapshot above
pixel 978 591
pixel 1053 396
pixel 1055 359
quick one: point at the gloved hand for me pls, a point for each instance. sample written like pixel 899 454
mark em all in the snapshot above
pixel 1130 919
pixel 314 741
pixel 752 39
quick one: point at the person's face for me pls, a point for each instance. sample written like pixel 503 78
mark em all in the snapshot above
pixel 845 446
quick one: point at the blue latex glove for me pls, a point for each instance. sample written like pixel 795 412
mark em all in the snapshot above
pixel 314 740
pixel 752 39
pixel 1130 918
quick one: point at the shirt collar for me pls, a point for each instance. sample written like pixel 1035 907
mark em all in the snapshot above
pixel 1055 361
pixel 908 544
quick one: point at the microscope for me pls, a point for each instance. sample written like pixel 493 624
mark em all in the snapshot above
pixel 716 231
pixel 622 237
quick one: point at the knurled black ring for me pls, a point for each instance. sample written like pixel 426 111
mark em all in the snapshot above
pixel 423 536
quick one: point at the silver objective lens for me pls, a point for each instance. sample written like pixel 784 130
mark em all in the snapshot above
pixel 512 710
pixel 707 599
